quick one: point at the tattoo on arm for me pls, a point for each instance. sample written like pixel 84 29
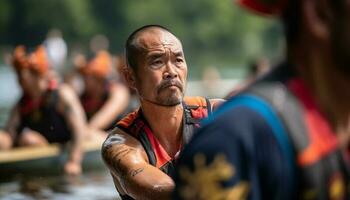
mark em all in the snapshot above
pixel 113 157
pixel 136 171
pixel 120 155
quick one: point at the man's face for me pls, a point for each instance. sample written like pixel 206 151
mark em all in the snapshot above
pixel 28 80
pixel 161 68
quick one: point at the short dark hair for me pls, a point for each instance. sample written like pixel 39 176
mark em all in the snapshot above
pixel 132 48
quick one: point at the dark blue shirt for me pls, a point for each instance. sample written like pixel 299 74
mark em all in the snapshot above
pixel 235 155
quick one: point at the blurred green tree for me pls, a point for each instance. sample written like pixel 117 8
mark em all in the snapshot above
pixel 213 32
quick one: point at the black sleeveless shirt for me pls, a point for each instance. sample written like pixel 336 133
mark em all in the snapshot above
pixel 44 117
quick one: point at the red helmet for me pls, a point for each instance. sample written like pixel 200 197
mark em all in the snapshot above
pixel 265 7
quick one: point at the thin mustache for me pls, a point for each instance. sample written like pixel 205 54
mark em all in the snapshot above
pixel 166 84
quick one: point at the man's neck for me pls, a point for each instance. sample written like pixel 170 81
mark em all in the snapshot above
pixel 166 124
pixel 36 94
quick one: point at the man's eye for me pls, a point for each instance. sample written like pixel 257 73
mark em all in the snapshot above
pixel 179 60
pixel 157 62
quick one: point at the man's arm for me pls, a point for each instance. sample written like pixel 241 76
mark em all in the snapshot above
pixel 8 135
pixel 128 163
pixel 74 115
pixel 115 105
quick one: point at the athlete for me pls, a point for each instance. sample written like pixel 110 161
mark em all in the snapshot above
pixel 46 112
pixel 142 150
pixel 287 135
pixel 104 100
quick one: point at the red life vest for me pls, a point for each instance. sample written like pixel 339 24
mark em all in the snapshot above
pixel 195 109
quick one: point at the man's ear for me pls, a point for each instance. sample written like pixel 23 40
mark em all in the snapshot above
pixel 317 18
pixel 129 77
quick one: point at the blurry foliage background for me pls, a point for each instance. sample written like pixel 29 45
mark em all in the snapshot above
pixel 214 32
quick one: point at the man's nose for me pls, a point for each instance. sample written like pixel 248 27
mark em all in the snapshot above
pixel 170 71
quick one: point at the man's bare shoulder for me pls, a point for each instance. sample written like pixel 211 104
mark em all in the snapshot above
pixel 120 141
pixel 118 136
pixel 66 92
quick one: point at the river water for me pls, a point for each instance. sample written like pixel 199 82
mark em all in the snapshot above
pixel 95 184
pixel 91 185
pixel 9 92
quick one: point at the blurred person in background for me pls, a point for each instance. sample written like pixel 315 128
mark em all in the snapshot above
pixel 256 69
pixel 56 49
pixel 46 112
pixel 141 152
pixel 286 136
pixel 210 81
pixel 104 99
pixel 99 43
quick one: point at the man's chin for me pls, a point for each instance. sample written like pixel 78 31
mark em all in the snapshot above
pixel 170 101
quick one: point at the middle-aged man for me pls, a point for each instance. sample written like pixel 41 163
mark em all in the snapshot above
pixel 141 151
pixel 286 136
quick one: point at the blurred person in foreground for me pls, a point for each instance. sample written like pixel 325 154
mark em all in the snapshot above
pixel 46 112
pixel 142 150
pixel 103 98
pixel 287 135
